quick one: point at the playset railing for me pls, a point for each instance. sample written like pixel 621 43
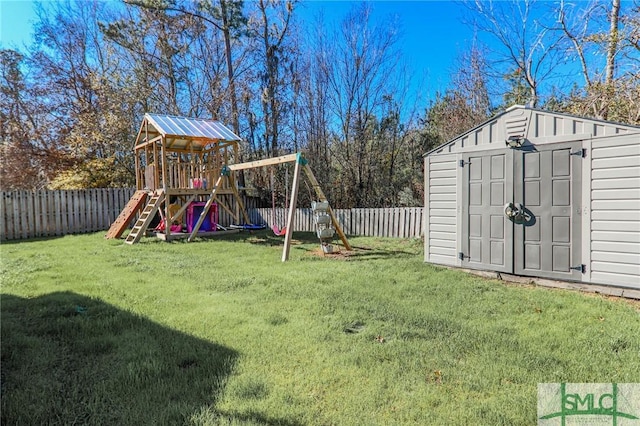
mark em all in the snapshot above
pixel 185 176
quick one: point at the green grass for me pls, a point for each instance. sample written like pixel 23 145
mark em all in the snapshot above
pixel 221 332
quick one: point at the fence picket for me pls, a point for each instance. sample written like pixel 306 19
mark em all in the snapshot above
pixel 387 223
pixel 6 233
pixel 28 227
pixel 45 212
pixel 81 209
pixel 16 215
pixel 374 222
pixel 104 209
pixel 411 223
pixel 92 216
pixel 37 219
pixel 9 200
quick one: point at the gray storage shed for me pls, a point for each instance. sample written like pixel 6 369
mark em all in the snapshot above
pixel 538 194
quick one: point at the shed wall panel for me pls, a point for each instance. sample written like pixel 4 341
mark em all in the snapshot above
pixel 441 220
pixel 633 205
pixel 615 210
pixel 443 189
pixel 614 151
pixel 614 215
pixel 617 183
pixel 616 194
pixel 621 172
pixel 613 163
pixel 614 257
pixel 614 237
pixel 442 174
pixel 442 251
pixel 604 277
pixel 607 246
pixel 443 243
pixel 443 260
pixel 443 197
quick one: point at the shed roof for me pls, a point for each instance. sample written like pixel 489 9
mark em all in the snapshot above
pixel 184 132
pixel 536 125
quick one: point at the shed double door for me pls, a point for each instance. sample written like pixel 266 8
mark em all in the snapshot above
pixel 544 183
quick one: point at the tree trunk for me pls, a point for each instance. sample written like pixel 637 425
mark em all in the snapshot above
pixel 230 74
pixel 613 42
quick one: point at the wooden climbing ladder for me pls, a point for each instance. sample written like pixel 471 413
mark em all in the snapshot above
pixel 146 217
pixel 124 218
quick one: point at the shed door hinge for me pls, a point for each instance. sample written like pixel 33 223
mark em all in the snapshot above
pixel 582 268
pixel 461 256
pixel 462 163
pixel 581 152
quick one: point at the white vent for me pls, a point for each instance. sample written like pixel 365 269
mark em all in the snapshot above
pixel 516 127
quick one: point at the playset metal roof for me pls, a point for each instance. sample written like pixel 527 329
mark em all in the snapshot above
pixel 185 132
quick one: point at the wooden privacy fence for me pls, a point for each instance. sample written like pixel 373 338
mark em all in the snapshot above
pixel 33 214
pixel 398 222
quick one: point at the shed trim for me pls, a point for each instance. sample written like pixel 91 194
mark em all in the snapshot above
pixel 552 139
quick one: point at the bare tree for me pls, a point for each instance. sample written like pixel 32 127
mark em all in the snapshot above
pixel 311 111
pixel 225 16
pixel 602 30
pixel 360 61
pixel 526 47
pixel 272 28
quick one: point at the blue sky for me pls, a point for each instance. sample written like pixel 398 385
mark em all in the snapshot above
pixel 16 18
pixel 432 31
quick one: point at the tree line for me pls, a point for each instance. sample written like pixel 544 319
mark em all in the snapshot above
pixel 73 100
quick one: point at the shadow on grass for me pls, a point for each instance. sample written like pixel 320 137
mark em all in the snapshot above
pixel 69 359
pixel 267 238
pixel 359 253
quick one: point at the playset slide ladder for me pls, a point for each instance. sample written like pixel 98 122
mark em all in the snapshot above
pixel 145 217
pixel 126 215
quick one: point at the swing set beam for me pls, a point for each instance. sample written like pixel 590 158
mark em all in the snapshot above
pixel 300 164
pixel 263 163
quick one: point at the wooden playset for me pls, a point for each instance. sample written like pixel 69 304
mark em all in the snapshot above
pixel 186 171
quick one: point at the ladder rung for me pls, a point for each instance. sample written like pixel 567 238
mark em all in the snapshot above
pixel 145 218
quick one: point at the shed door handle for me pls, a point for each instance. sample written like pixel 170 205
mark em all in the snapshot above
pixel 513 210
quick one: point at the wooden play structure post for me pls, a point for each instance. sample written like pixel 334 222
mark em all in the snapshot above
pixel 292 208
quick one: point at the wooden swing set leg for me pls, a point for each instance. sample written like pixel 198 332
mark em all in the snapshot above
pixel 320 194
pixel 292 211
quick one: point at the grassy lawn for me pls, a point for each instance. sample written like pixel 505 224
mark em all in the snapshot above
pixel 221 332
